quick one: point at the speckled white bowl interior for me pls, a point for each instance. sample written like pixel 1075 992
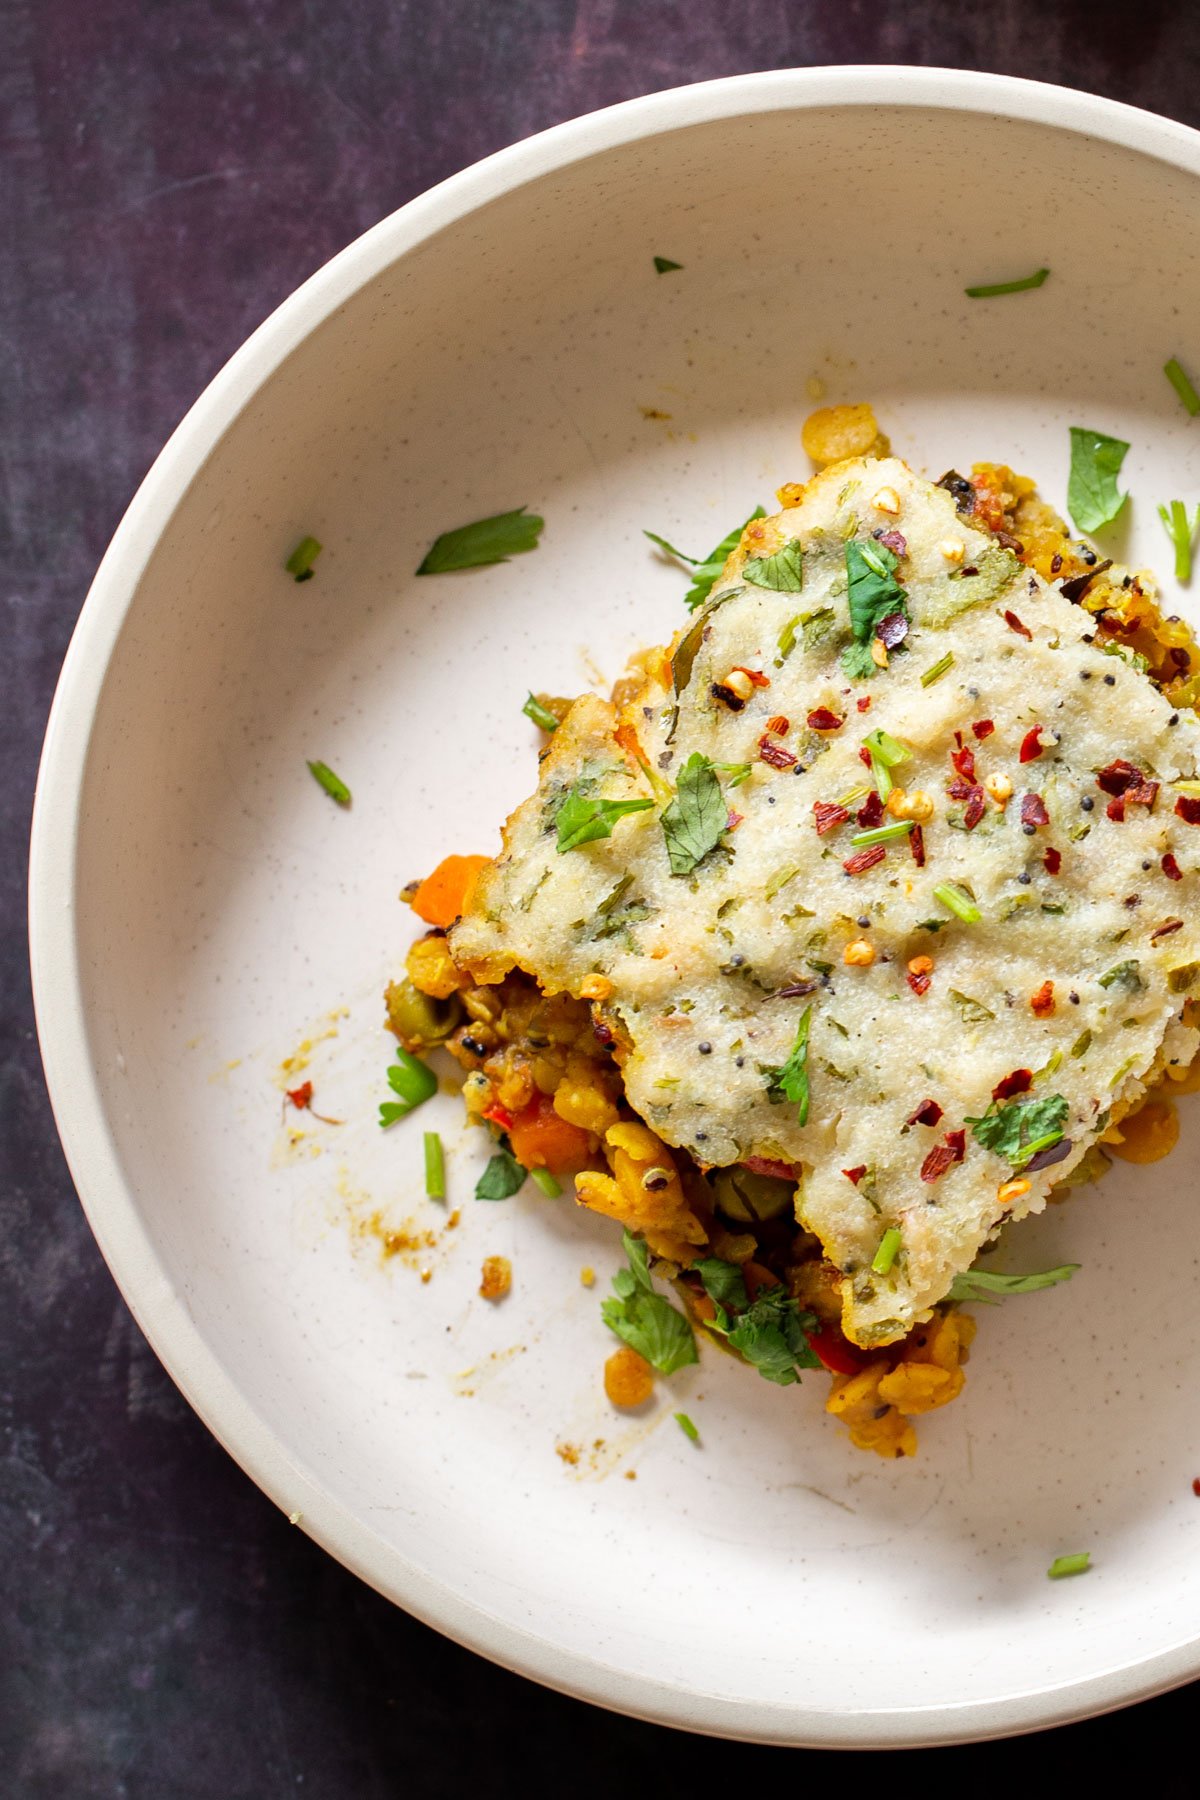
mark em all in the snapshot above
pixel 201 912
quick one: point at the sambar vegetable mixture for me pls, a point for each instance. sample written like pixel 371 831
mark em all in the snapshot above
pixel 846 932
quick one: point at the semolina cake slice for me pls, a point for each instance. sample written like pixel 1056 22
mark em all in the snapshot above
pixel 883 871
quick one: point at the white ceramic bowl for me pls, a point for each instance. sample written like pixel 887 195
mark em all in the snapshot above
pixel 199 909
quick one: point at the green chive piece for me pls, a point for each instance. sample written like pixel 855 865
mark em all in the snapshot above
pixel 938 670
pixel 1078 1564
pixel 1029 1151
pixel 333 784
pixel 664 265
pixel 888 749
pixel 1178 379
pixel 300 562
pixel 1190 788
pixel 860 793
pixel 435 1167
pixel 1181 529
pixel 412 1081
pixel 957 900
pixel 883 834
pixel 882 777
pixel 541 715
pixel 1008 287
pixel 885 1256
pixel 544 1179
pixel 687 1427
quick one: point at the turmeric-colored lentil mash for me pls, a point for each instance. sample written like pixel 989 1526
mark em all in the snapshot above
pixel 853 927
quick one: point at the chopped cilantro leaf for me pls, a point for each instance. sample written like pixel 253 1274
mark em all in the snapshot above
pixel 412 1080
pixel 782 573
pixel 503 1177
pixel 664 265
pixel 696 819
pixel 772 1336
pixel 643 1319
pixel 723 1282
pixel 584 817
pixel 790 1080
pixel 874 592
pixel 1092 497
pixel 706 573
pixel 981 1287
pixel 484 541
pixel 1013 1129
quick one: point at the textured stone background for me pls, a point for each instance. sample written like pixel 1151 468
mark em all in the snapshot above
pixel 172 169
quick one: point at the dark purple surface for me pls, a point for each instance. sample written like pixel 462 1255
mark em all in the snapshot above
pixel 172 169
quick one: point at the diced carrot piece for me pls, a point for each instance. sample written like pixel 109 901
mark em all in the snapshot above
pixel 543 1140
pixel 442 897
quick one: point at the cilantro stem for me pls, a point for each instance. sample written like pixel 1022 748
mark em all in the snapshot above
pixel 1029 1151
pixel 1076 1564
pixel 1008 287
pixel 435 1167
pixel 1181 530
pixel 541 715
pixel 883 834
pixel 543 1179
pixel 412 1081
pixel 1178 379
pixel 885 1256
pixel 300 562
pixel 938 669
pixel 687 1427
pixel 333 784
pixel 956 900
pixel 887 748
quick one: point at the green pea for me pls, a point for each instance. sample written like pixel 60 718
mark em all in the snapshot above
pixel 751 1199
pixel 419 1021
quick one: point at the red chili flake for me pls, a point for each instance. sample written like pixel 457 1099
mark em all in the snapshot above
pixel 734 820
pixel 1014 624
pixel 1116 809
pixel 864 859
pixel 1196 1487
pixel 919 980
pixel 864 701
pixel 958 738
pixel 823 719
pixel 964 763
pixel 1042 1003
pixel 779 724
pixel 1118 777
pixel 940 1158
pixel 1171 868
pixel 499 1115
pixel 828 817
pixel 1033 810
pixel 754 675
pixel 1031 745
pixel 870 813
pixel 916 843
pixel 1019 1082
pixel 1165 929
pixel 775 754
pixel 976 807
pixel 301 1097
pixel 767 1165
pixel 1188 809
pixel 983 728
pixel 956 1143
pixel 895 541
pixel 856 1174
pixel 892 630
pixel 928 1113
pixel 1144 794
pixel 864 756
pixel 958 789
pixel 1052 861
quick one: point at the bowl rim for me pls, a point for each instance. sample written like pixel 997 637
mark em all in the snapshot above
pixel 79 1113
